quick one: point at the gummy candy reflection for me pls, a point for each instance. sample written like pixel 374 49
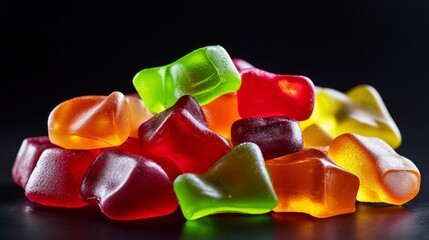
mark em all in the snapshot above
pixel 224 226
pixel 371 222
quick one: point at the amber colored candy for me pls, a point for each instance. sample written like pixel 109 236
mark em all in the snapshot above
pixel 139 113
pixel 221 113
pixel 315 136
pixel 89 122
pixel 385 176
pixel 309 182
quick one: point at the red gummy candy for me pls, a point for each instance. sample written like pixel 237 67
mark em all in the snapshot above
pixel 178 136
pixel 27 157
pixel 127 186
pixel 191 105
pixel 57 177
pixel 264 94
pixel 241 64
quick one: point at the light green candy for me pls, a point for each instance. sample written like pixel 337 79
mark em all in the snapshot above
pixel 238 183
pixel 205 73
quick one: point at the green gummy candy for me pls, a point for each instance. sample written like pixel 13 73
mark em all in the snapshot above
pixel 205 73
pixel 238 183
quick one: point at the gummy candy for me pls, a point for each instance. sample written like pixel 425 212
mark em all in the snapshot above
pixel 275 136
pixel 139 113
pixel 27 157
pixel 214 135
pixel 265 94
pixel 241 64
pixel 89 122
pixel 221 113
pixel 385 176
pixel 309 182
pixel 223 189
pixel 127 186
pixel 131 145
pixel 177 135
pixel 56 179
pixel 189 104
pixel 315 136
pixel 205 73
pixel 360 110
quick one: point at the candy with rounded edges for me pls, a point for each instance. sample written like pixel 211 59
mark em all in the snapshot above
pixel 385 176
pixel 205 74
pixel 309 182
pixel 237 183
pixel 89 122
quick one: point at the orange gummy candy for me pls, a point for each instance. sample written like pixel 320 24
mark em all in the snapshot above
pixel 139 113
pixel 221 113
pixel 89 122
pixel 309 182
pixel 385 176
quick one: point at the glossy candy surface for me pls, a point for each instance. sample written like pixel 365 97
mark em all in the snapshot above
pixel 205 73
pixel 239 182
pixel 221 113
pixel 360 110
pixel 29 152
pixel 89 122
pixel 127 186
pixel 315 136
pixel 139 113
pixel 385 176
pixel 181 137
pixel 264 94
pixel 56 179
pixel 275 136
pixel 309 182
pixel 241 64
pixel 217 135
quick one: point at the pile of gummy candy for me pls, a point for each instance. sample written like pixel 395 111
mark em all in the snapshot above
pixel 211 134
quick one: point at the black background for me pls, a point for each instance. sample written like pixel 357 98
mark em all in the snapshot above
pixel 53 51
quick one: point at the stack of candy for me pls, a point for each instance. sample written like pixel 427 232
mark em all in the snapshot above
pixel 210 134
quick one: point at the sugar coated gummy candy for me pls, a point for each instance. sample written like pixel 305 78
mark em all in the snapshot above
pixel 205 74
pixel 385 176
pixel 239 182
pixel 309 182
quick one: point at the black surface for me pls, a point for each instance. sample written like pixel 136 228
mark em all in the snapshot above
pixel 53 51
